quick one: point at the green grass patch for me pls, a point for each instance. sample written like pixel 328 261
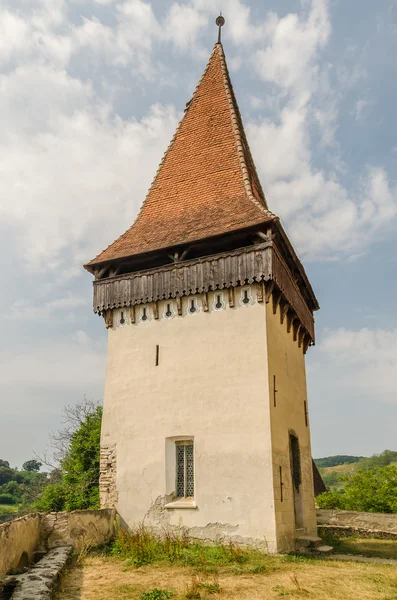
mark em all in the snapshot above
pixel 140 547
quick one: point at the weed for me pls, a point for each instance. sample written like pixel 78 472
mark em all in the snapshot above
pixel 237 553
pixel 280 591
pixel 299 588
pixel 157 594
pixel 258 569
pixel 200 583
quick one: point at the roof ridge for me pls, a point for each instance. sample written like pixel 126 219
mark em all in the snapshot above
pixel 188 105
pixel 240 137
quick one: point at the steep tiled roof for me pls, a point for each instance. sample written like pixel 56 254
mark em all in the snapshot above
pixel 206 184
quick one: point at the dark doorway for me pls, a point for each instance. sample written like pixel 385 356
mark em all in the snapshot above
pixel 296 474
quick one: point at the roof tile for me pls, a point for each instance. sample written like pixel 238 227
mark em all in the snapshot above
pixel 206 184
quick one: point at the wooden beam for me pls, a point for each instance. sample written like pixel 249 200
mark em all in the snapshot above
pixel 132 314
pixel 115 271
pixel 204 299
pixel 185 253
pixel 306 343
pixel 98 274
pixel 231 297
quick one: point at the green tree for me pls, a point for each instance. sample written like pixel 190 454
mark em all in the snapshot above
pixel 4 463
pixel 76 483
pixel 372 490
pixel 32 466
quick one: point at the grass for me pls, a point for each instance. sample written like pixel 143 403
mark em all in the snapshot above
pixel 370 547
pixel 104 577
pixel 9 509
pixel 142 567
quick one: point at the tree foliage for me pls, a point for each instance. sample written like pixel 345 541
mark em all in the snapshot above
pixel 32 466
pixel 76 482
pixel 372 490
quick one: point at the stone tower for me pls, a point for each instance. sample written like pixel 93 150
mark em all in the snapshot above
pixel 209 315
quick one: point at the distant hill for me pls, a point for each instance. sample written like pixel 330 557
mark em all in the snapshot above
pixel 334 461
pixel 335 469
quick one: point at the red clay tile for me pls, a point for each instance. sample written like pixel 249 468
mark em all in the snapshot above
pixel 206 184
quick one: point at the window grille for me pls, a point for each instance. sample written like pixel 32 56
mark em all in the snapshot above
pixel 184 469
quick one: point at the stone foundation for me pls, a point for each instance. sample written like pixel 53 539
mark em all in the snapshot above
pixel 369 522
pixel 107 480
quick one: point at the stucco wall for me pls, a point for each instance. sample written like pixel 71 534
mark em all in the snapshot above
pixel 211 383
pixel 17 537
pixel 358 520
pixel 287 363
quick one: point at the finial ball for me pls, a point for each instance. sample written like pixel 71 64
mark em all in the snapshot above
pixel 220 21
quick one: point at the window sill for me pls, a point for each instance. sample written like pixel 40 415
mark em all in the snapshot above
pixel 182 503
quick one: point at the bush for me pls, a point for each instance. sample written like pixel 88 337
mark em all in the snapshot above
pixel 374 490
pixel 7 499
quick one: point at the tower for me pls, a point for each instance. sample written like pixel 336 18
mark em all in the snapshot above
pixel 209 314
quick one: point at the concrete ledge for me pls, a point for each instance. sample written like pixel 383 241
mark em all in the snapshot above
pixel 380 523
pixel 41 580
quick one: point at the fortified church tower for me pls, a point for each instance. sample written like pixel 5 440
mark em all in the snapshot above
pixel 209 314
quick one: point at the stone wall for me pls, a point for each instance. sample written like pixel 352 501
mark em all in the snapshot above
pixel 107 479
pixel 81 529
pixel 18 541
pixel 358 521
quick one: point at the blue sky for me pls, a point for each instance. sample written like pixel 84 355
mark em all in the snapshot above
pixel 91 92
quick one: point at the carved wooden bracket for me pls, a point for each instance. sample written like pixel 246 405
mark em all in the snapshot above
pixel 284 308
pixel 306 343
pixel 132 314
pixel 276 300
pixel 296 328
pixel 291 317
pixel 301 336
pixel 268 290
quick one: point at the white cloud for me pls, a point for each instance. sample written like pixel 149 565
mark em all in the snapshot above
pixel 182 25
pixel 21 311
pixel 72 363
pixel 72 175
pixel 365 360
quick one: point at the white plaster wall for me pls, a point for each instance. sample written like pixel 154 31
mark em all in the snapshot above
pixel 211 384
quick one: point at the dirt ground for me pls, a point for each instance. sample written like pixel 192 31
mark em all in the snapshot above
pixel 105 578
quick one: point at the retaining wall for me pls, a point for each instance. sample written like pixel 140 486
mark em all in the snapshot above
pixel 18 541
pixel 20 538
pixel 381 523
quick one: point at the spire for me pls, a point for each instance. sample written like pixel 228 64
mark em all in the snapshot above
pixel 220 21
pixel 206 184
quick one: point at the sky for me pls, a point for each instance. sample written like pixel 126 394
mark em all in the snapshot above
pixel 90 95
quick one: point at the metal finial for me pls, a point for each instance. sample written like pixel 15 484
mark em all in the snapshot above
pixel 220 21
